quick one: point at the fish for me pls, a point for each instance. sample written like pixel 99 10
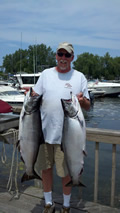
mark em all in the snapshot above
pixel 74 139
pixel 30 134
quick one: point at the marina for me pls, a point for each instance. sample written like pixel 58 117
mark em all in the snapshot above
pixel 95 87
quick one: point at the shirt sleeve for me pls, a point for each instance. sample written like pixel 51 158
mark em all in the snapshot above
pixel 38 88
pixel 85 88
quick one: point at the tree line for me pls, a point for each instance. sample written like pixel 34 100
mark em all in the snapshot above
pixel 29 60
pixel 38 57
pixel 101 67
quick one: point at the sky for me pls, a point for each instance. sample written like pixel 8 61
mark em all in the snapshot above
pixel 90 25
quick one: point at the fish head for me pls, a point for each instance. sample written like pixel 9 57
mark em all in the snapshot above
pixel 31 103
pixel 70 106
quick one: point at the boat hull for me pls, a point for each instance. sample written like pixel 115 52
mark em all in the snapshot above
pixel 110 89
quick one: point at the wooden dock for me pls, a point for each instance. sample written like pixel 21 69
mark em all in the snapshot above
pixel 31 201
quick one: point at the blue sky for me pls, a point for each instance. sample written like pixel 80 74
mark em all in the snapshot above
pixel 90 25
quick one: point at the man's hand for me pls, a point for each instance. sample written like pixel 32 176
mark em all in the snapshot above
pixel 84 102
pixel 34 93
pixel 80 98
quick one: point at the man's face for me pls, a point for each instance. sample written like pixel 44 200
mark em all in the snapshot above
pixel 64 60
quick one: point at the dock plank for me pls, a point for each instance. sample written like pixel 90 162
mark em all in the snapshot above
pixel 31 201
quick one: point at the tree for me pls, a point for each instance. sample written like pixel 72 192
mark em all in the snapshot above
pixel 88 64
pixel 94 66
pixel 41 57
pixel 35 59
pixel 38 57
pixel 116 65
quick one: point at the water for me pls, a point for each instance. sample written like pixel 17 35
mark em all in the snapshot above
pixel 105 113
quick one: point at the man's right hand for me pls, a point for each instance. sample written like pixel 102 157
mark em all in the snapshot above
pixel 34 93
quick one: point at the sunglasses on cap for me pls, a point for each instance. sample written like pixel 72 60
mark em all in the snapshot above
pixel 67 55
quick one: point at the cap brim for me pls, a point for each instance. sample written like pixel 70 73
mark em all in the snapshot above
pixel 67 48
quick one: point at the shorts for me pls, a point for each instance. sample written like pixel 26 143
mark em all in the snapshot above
pixel 50 155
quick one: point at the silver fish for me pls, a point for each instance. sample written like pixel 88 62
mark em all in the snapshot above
pixel 30 134
pixel 74 139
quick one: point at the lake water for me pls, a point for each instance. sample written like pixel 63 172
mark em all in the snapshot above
pixel 105 113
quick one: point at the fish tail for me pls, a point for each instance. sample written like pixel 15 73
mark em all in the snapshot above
pixel 27 177
pixel 72 184
pixel 18 145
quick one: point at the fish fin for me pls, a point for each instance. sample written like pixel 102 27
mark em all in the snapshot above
pixel 81 122
pixel 81 171
pixel 62 147
pixel 22 114
pixel 85 153
pixel 30 91
pixel 26 177
pixel 81 184
pixel 22 159
pixel 42 140
pixel 71 184
pixel 18 143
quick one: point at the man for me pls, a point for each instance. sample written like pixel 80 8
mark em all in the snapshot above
pixel 56 83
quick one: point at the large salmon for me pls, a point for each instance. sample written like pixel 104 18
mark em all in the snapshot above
pixel 74 139
pixel 30 134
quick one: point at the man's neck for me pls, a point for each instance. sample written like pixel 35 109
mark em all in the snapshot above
pixel 62 71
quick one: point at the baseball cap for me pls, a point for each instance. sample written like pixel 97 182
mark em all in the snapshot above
pixel 67 46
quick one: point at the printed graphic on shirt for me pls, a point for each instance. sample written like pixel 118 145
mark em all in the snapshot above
pixel 67 85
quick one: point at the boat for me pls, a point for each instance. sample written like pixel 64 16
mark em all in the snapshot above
pixel 96 92
pixel 5 107
pixel 11 95
pixel 26 80
pixel 6 83
pixel 105 88
pixel 97 88
pixel 8 121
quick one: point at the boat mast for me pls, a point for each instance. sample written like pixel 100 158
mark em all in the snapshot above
pixel 21 55
pixel 34 62
pixel 34 59
pixel 36 56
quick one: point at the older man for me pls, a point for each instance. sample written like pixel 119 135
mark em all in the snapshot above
pixel 55 84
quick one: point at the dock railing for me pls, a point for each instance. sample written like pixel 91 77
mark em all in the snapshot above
pixel 95 135
pixel 104 136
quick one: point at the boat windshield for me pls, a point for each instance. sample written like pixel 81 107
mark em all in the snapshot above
pixel 10 93
pixel 29 79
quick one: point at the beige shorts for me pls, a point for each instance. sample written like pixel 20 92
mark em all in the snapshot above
pixel 50 154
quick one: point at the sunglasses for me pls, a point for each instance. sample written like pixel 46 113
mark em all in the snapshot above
pixel 67 55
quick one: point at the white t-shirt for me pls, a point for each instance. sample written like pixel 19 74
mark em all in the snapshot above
pixel 53 86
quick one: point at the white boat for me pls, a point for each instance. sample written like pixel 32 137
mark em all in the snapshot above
pixel 96 92
pixel 108 88
pixel 26 80
pixel 11 95
pixel 97 88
